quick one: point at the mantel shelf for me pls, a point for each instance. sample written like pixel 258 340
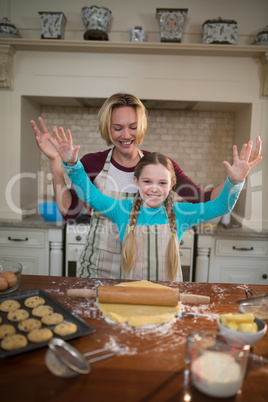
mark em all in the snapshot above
pixel 159 48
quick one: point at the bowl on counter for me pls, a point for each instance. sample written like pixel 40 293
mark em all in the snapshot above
pixel 10 274
pixel 250 337
pixel 49 211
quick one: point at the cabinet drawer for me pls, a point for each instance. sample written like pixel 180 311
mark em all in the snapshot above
pixel 22 238
pixel 241 248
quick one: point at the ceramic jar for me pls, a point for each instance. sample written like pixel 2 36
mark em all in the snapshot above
pixel 96 20
pixel 171 22
pixel 219 31
pixel 262 37
pixel 52 24
pixel 8 30
pixel 138 35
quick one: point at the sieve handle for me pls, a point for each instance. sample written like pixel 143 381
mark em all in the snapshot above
pixel 115 350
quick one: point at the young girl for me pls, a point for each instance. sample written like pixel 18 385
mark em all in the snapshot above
pixel 151 225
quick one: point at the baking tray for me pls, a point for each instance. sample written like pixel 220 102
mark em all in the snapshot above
pixel 83 328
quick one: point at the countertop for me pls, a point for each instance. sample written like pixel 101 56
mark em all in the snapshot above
pixel 230 231
pixel 32 222
pixel 152 370
pixel 37 222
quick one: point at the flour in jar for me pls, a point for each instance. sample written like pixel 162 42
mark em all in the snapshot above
pixel 216 374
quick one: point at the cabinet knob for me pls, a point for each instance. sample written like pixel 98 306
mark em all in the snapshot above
pixel 78 238
pixel 264 276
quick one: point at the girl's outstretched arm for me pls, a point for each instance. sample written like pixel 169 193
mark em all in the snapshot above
pixel 241 166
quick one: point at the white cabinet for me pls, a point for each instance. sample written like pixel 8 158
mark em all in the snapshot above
pixel 232 260
pixel 239 261
pixel 38 250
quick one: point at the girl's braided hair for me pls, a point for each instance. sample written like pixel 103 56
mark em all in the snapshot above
pixel 129 249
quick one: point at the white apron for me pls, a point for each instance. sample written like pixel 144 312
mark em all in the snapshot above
pixel 101 256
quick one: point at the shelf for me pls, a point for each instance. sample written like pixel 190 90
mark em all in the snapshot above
pixel 159 48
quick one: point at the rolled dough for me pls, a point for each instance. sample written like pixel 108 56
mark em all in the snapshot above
pixel 137 315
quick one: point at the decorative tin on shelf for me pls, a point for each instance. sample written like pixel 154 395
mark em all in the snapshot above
pixel 171 22
pixel 52 24
pixel 96 20
pixel 219 31
pixel 262 38
pixel 138 35
pixel 8 30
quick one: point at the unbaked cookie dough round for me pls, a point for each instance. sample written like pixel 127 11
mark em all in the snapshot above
pixel 139 315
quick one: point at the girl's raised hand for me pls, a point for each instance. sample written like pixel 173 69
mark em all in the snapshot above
pixel 242 163
pixel 64 145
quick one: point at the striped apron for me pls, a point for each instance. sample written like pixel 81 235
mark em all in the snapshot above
pixel 101 256
pixel 152 242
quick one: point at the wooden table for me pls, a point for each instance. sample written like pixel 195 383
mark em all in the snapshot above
pixel 152 370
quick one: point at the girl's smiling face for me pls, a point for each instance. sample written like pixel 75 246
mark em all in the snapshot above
pixel 154 184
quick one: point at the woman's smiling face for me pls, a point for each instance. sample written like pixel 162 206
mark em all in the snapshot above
pixel 124 129
pixel 154 185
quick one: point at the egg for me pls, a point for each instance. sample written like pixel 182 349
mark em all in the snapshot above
pixel 11 278
pixel 7 274
pixel 12 281
pixel 3 283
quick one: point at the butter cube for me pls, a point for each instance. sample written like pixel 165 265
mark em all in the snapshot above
pixel 246 327
pixel 232 325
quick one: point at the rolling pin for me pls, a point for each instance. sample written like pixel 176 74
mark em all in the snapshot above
pixel 141 295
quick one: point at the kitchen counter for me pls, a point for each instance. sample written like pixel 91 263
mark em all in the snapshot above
pixel 230 231
pixel 152 370
pixel 33 221
pixel 36 221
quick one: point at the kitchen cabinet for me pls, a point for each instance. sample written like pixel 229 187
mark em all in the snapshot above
pixel 232 260
pixel 38 250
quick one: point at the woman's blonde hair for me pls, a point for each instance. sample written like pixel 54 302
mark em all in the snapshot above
pixel 122 100
pixel 129 248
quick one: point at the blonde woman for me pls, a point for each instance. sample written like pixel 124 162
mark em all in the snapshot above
pixel 122 124
pixel 151 224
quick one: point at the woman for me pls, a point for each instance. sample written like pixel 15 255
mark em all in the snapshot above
pixel 122 124
pixel 151 224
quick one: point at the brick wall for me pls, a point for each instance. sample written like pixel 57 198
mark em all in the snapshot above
pixel 197 141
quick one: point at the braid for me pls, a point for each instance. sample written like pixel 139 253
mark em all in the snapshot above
pixel 172 249
pixel 135 210
pixel 171 213
pixel 129 249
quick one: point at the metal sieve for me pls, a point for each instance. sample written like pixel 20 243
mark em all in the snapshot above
pixel 64 360
pixel 255 304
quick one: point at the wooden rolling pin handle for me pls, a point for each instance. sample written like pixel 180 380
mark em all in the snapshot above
pixel 82 292
pixel 194 299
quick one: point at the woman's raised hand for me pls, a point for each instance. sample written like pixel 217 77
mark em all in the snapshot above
pixel 63 144
pixel 243 162
pixel 42 139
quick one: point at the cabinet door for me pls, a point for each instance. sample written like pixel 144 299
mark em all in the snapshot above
pixel 234 270
pixel 34 262
pixel 27 246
